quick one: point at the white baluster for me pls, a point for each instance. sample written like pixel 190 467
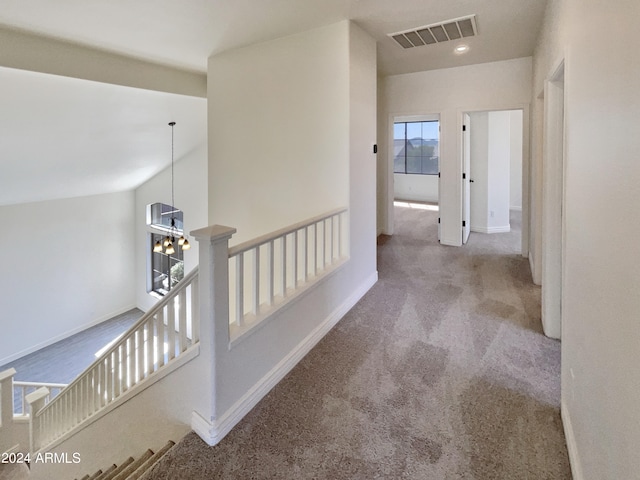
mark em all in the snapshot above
pixel 150 340
pixel 182 315
pixel 339 236
pixel 295 259
pixel 271 275
pixel 324 243
pixel 160 336
pixel 171 331
pixel 109 380
pixel 117 372
pixel 283 264
pixel 195 320
pixel 240 289
pixel 131 361
pixel 332 238
pixel 305 277
pixel 255 304
pixel 140 353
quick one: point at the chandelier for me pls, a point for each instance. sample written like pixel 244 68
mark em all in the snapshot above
pixel 170 239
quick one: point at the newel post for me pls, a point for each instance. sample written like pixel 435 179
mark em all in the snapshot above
pixel 6 397
pixel 213 281
pixel 36 401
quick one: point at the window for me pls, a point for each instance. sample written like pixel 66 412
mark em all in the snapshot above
pixel 416 147
pixel 165 270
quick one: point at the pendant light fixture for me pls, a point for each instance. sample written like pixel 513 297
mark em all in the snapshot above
pixel 170 239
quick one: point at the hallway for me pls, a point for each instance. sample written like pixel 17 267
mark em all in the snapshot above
pixel 440 372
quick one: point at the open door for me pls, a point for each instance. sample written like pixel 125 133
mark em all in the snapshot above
pixel 466 179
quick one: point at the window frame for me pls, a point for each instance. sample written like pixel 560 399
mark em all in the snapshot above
pixel 157 231
pixel 406 122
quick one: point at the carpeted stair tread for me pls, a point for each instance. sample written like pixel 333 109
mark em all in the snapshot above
pixel 140 473
pixel 113 472
pixel 132 467
pixel 105 475
pixel 95 475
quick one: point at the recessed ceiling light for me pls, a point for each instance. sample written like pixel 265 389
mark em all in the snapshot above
pixel 460 49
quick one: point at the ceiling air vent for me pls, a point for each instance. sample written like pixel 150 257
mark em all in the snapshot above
pixel 438 32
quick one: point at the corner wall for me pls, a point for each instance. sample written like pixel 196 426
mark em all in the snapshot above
pixel 60 275
pixel 291 127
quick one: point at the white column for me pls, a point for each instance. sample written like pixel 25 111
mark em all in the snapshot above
pixel 213 275
pixel 36 402
pixel 6 397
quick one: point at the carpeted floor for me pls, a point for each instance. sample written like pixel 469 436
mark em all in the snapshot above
pixel 440 372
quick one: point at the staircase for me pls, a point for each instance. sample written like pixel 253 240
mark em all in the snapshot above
pixel 131 469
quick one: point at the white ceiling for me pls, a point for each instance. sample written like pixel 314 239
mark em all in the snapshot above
pixel 67 137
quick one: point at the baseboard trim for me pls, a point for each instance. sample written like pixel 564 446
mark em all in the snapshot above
pixel 214 432
pixel 502 229
pixel 574 457
pixel 67 334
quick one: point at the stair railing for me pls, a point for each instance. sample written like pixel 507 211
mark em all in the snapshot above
pixel 269 271
pixel 22 389
pixel 162 335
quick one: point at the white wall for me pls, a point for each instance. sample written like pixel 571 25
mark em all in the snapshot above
pixel 278 132
pixel 303 108
pixel 515 167
pixel 422 188
pixel 447 92
pixel 70 266
pixel 498 170
pixel 601 281
pixel 190 187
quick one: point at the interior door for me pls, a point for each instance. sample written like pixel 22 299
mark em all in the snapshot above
pixel 466 177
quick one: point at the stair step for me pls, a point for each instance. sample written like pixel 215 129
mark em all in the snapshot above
pixel 95 475
pixel 113 472
pixel 151 461
pixel 106 473
pixel 132 467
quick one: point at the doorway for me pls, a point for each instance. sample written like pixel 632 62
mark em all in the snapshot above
pixel 416 162
pixel 492 173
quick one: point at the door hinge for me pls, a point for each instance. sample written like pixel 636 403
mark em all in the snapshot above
pixel 464 175
pixel 464 223
pixel 464 128
pixel 438 219
pixel 438 174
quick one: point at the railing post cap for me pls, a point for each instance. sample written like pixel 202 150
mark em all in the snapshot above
pixel 213 233
pixel 39 394
pixel 9 373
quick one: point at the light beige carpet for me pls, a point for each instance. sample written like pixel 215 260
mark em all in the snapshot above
pixel 440 372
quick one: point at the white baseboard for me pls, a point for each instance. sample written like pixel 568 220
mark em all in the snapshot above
pixel 64 335
pixel 574 457
pixel 212 433
pixel 501 229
